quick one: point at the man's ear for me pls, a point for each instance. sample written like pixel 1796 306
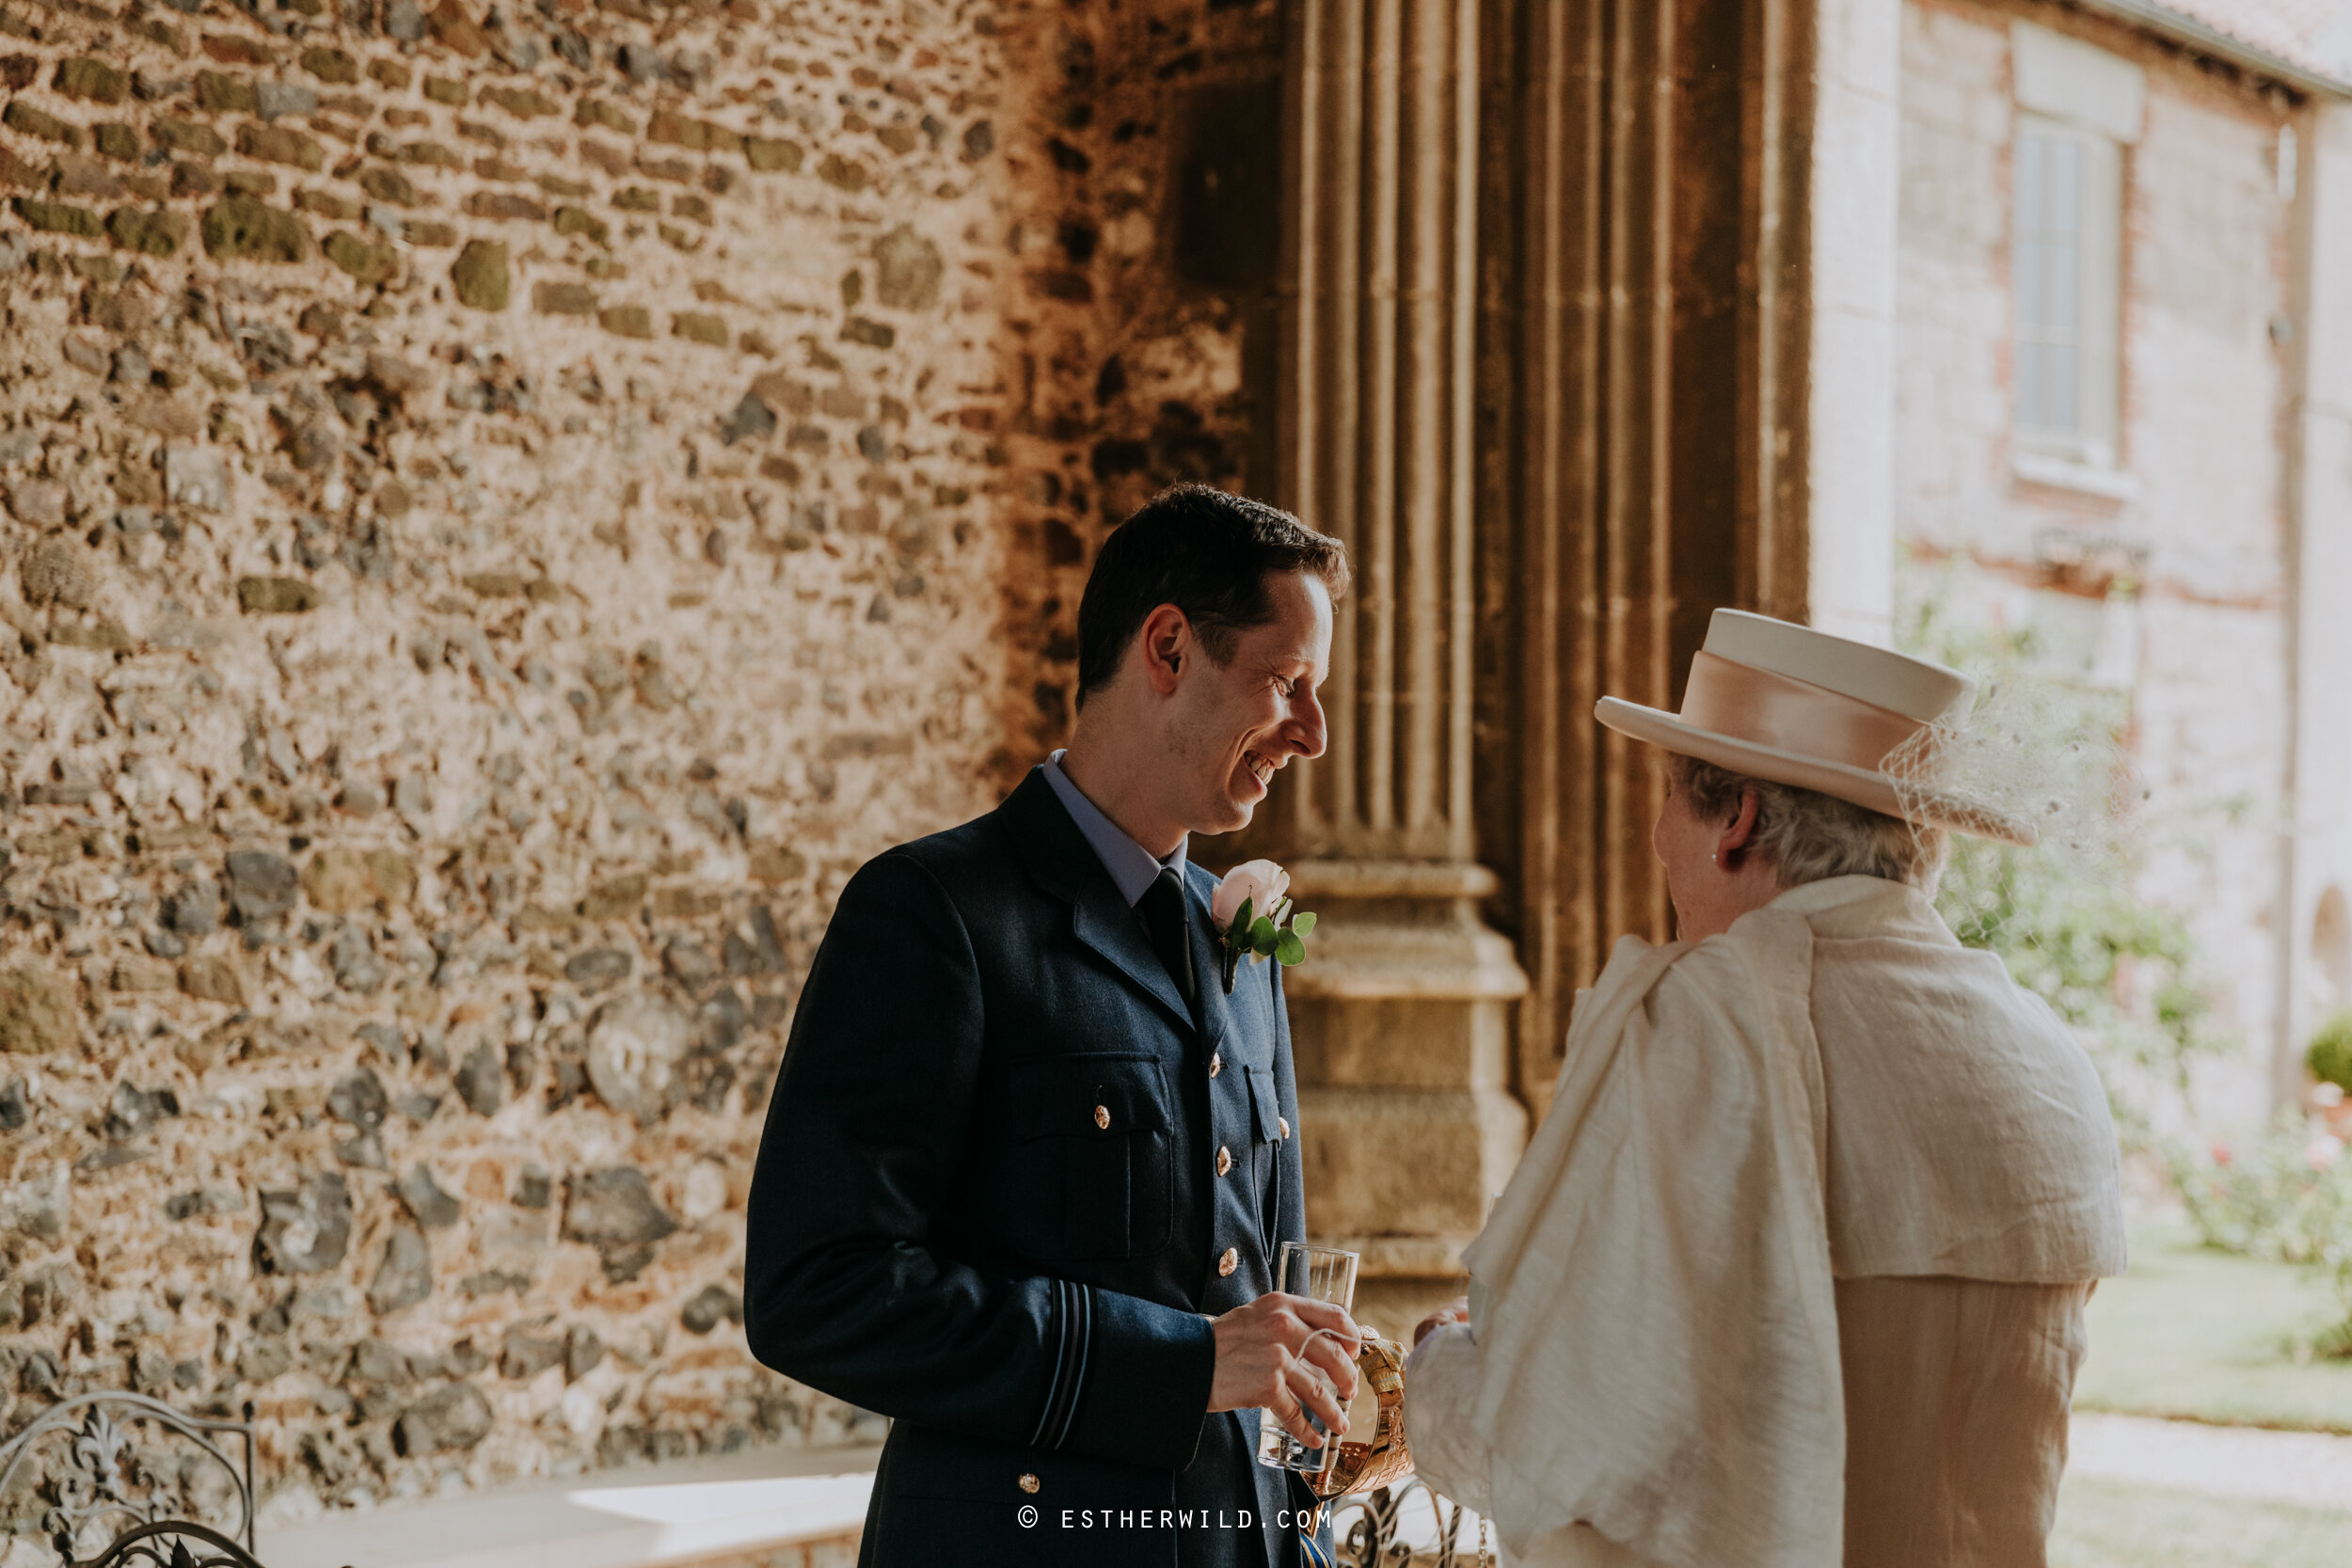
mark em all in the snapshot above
pixel 1166 647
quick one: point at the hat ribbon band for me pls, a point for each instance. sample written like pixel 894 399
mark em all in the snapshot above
pixel 1765 708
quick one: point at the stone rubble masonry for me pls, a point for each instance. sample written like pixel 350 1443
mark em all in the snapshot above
pixel 500 512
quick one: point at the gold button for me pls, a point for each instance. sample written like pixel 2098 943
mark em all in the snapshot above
pixel 1224 1160
pixel 1216 1063
pixel 1028 1483
pixel 1284 1123
pixel 1102 1116
pixel 1228 1264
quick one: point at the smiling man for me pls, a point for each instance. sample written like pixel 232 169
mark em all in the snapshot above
pixel 1028 1162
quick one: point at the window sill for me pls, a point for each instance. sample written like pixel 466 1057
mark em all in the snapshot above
pixel 2065 474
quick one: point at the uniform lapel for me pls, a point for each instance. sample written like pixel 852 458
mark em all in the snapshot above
pixel 1208 966
pixel 1111 928
pixel 1065 864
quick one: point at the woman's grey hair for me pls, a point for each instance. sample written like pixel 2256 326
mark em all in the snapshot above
pixel 1809 836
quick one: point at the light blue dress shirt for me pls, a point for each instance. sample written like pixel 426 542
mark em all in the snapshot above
pixel 1132 866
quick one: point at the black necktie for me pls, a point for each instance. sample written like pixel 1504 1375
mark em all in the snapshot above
pixel 1162 908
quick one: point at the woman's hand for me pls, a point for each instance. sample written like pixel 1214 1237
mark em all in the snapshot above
pixel 1455 1311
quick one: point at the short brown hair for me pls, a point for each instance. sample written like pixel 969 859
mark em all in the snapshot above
pixel 1207 553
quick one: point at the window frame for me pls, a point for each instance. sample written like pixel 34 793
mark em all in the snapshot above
pixel 2094 442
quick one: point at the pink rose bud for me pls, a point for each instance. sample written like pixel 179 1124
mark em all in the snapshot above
pixel 1262 882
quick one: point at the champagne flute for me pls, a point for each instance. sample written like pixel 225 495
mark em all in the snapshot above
pixel 1318 1273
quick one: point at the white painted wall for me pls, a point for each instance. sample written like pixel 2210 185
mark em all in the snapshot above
pixel 1850 423
pixel 2202 492
pixel 2320 478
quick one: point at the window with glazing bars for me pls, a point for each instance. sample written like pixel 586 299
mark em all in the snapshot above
pixel 2068 211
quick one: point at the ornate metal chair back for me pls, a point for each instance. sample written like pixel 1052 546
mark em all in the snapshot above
pixel 118 1480
pixel 1369 1485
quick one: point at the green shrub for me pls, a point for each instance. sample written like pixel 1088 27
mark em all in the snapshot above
pixel 2072 928
pixel 2125 976
pixel 2285 1196
pixel 2330 1054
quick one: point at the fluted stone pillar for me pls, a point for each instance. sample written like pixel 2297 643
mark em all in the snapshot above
pixel 1403 1017
pixel 1649 316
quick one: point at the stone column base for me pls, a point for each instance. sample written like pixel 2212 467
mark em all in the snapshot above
pixel 1400 1024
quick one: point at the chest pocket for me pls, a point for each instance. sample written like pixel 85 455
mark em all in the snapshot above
pixel 1105 1120
pixel 1265 1153
pixel 1265 1104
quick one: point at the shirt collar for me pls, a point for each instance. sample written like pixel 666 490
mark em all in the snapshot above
pixel 1852 905
pixel 1132 866
pixel 1830 892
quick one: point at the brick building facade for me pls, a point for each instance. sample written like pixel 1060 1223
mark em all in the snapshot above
pixel 2152 539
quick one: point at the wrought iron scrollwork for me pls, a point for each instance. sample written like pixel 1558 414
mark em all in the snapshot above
pixel 121 1498
pixel 1403 1525
pixel 165 1546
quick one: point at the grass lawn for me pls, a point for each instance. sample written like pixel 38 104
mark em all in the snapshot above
pixel 2104 1525
pixel 2201 1336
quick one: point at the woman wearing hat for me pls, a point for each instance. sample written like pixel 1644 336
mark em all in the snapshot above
pixel 1793 1273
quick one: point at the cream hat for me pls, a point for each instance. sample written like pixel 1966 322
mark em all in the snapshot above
pixel 1784 703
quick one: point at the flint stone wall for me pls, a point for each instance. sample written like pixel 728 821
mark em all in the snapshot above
pixel 502 514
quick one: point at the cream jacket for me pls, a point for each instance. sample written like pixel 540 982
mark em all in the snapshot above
pixel 1828 1183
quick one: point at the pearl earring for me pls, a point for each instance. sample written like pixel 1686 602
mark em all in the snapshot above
pixel 1717 858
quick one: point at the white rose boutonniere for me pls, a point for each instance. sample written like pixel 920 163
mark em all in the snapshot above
pixel 1252 912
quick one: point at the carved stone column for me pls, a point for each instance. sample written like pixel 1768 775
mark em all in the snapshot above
pixel 1403 1017
pixel 1550 346
pixel 1646 313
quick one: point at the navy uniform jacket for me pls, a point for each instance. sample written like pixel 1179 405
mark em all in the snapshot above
pixel 1004 1182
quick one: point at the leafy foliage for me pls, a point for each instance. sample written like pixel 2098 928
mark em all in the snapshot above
pixel 2286 1197
pixel 1280 933
pixel 2330 1054
pixel 2125 975
pixel 2121 972
pixel 2283 1197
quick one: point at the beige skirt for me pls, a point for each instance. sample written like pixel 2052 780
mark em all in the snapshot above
pixel 1957 1393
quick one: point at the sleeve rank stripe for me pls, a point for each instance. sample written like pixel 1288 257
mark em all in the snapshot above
pixel 1061 1358
pixel 1083 1337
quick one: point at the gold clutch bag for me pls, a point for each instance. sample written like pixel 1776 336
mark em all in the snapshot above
pixel 1381 1460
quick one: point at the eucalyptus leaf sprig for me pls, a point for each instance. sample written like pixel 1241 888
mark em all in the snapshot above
pixel 1280 933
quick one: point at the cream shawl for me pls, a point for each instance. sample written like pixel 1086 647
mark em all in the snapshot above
pixel 1654 1351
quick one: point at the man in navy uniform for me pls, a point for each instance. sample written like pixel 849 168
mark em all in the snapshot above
pixel 1028 1163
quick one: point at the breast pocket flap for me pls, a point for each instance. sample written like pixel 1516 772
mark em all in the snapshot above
pixel 1090 1097
pixel 1265 1103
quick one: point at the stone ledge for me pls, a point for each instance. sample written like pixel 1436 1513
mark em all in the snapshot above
pixel 2065 474
pixel 1404 1256
pixel 702 1511
pixel 1392 880
pixel 1359 963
